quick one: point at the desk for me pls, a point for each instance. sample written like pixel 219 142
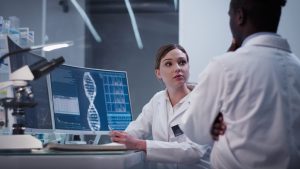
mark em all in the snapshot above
pixel 45 159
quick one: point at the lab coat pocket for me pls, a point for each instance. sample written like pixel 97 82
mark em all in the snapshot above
pixel 181 138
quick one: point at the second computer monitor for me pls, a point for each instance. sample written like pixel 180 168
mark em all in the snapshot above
pixel 38 118
pixel 89 100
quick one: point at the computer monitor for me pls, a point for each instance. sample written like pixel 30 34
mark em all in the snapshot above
pixel 89 101
pixel 37 119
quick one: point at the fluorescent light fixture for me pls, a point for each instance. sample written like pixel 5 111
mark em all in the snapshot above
pixel 134 25
pixel 94 32
pixel 176 4
pixel 86 20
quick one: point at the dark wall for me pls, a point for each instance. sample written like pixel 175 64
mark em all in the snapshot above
pixel 119 50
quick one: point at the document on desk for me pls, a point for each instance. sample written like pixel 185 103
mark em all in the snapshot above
pixel 87 147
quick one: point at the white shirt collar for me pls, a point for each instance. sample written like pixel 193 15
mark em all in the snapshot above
pixel 258 34
pixel 267 39
pixel 180 102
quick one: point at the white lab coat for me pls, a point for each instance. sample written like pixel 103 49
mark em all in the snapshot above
pixel 257 88
pixel 156 121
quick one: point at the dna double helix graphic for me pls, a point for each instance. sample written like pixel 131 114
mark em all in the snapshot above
pixel 90 92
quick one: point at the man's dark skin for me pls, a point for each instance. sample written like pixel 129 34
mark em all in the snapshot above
pixel 218 128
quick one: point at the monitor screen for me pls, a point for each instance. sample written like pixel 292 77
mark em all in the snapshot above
pixel 89 100
pixel 37 119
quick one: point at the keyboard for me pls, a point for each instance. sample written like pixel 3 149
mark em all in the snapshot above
pixel 87 147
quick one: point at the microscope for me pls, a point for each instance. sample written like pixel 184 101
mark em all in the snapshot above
pixel 23 98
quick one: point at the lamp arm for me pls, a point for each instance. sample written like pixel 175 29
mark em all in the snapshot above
pixel 13 53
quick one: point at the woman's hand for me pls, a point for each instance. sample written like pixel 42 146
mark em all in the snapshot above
pixel 129 141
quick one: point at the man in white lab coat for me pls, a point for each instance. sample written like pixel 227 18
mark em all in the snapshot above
pixel 256 88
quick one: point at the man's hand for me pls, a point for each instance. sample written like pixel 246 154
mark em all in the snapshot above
pixel 218 127
pixel 233 46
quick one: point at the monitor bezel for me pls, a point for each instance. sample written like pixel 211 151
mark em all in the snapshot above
pixel 63 131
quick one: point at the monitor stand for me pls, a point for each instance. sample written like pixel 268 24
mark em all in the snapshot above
pixel 75 139
pixel 97 139
pixel 19 143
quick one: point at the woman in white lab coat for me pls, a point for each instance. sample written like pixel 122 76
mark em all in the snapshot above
pixel 161 118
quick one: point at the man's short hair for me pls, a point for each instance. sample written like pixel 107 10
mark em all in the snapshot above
pixel 264 14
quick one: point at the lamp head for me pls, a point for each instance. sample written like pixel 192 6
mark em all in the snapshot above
pixel 46 47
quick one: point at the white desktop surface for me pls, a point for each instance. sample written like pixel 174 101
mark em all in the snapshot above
pixel 44 159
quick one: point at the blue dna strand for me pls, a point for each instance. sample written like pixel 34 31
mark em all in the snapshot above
pixel 90 92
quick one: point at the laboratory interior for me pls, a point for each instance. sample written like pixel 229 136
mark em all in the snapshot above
pixel 59 106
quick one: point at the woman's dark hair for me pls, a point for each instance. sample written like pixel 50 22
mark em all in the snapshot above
pixel 163 50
